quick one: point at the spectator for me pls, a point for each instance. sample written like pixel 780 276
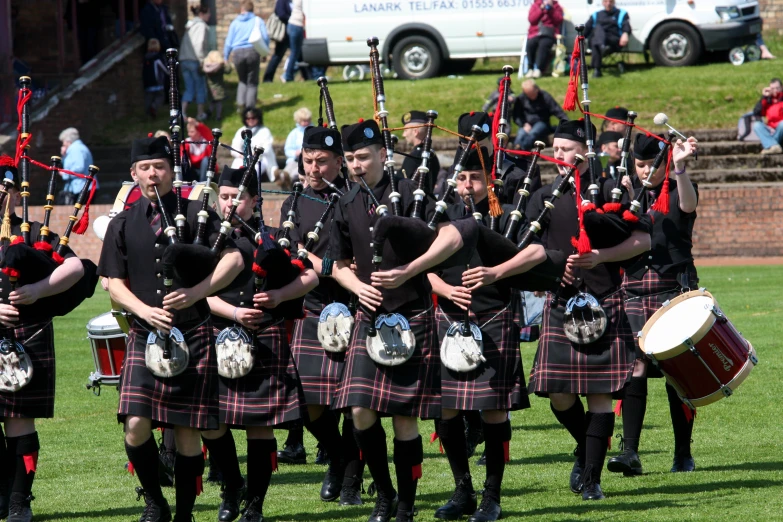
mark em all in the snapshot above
pixel 155 77
pixel 608 145
pixel 246 59
pixel 414 135
pixel 155 22
pixel 608 31
pixel 616 113
pixel 197 151
pixel 215 69
pixel 76 158
pixel 303 117
pixel 492 100
pixel 765 54
pixel 161 132
pixel 283 12
pixel 260 137
pixel 770 106
pixel 545 17
pixel 192 52
pixel 295 31
pixel 533 110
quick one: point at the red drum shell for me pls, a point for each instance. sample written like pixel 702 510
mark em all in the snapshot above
pixel 108 349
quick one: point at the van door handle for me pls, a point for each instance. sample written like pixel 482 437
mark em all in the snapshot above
pixel 479 33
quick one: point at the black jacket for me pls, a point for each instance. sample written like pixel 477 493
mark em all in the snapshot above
pixel 540 109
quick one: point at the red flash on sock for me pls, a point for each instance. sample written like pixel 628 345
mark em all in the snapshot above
pixel 361 456
pixel 618 408
pixel 204 451
pixel 416 472
pixel 131 469
pixel 199 486
pixel 273 458
pixel 689 413
pixel 30 462
pixel 506 452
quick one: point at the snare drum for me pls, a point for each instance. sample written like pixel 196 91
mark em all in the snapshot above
pixel 697 348
pixel 108 350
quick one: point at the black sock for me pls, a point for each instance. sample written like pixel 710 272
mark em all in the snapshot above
pixel 327 433
pixel 4 465
pixel 295 435
pixel 145 462
pixel 187 481
pixel 573 419
pixel 224 451
pixel 26 456
pixel 10 471
pixel 473 419
pixel 169 441
pixel 634 409
pixel 599 430
pixel 682 426
pixel 372 442
pixel 354 465
pixel 496 439
pixel 452 436
pixel 408 456
pixel 261 462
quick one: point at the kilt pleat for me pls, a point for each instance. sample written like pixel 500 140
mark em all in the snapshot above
pixel 319 370
pixel 189 399
pixel 497 384
pixel 603 366
pixel 270 394
pixel 36 400
pixel 411 389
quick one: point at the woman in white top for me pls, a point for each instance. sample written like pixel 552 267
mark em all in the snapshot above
pixel 262 137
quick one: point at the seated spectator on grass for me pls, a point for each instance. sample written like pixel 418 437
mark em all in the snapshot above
pixel 770 106
pixel 533 110
pixel 545 17
pixel 197 151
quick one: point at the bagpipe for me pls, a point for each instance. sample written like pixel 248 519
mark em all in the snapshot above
pixel 501 129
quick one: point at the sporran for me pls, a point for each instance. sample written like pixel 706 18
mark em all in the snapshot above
pixel 16 368
pixel 167 356
pixel 393 343
pixel 462 349
pixel 236 354
pixel 584 321
pixel 335 325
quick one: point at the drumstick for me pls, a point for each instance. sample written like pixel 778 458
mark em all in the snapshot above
pixel 662 119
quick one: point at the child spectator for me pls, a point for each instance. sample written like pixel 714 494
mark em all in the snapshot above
pixel 770 106
pixel 155 77
pixel 197 151
pixel 215 68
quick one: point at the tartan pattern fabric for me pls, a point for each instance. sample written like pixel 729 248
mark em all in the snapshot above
pixel 270 395
pixel 603 366
pixel 499 383
pixel 189 399
pixel 319 370
pixel 36 400
pixel 411 389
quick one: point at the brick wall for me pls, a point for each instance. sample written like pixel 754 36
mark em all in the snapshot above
pixel 772 14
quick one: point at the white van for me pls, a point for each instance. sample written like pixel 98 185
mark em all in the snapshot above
pixel 420 38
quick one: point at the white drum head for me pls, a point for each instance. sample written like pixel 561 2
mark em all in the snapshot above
pixel 680 321
pixel 103 325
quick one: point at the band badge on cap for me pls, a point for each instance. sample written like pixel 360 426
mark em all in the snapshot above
pixel 406 118
pixel 369 132
pixel 580 133
pixel 328 141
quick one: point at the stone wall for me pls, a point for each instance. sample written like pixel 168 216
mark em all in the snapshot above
pixel 772 14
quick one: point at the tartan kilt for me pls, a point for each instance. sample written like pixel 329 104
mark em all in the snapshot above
pixel 411 389
pixel 499 383
pixel 189 399
pixel 36 400
pixel 643 297
pixel 604 366
pixel 270 395
pixel 319 370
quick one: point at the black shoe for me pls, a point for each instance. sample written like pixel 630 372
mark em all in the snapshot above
pixel 593 491
pixel 331 486
pixel 575 482
pixel 627 463
pixel 4 502
pixel 683 463
pixel 166 468
pixel 322 457
pixel 229 507
pixel 462 502
pixel 385 508
pixel 621 67
pixel 482 461
pixel 252 511
pixel 488 510
pixel 19 508
pixel 406 516
pixel 153 512
pixel 597 73
pixel 293 454
pixel 351 492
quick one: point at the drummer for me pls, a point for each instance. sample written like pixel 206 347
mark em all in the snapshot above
pixel 658 276
pixel 18 410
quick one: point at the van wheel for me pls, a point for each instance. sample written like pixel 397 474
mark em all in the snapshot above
pixel 416 57
pixel 675 45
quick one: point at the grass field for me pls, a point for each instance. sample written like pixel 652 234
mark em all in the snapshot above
pixel 706 96
pixel 739 473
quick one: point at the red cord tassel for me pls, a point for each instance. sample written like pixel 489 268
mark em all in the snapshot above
pixel 43 246
pixel 416 472
pixel 17 239
pixel 612 207
pixel 662 203
pixel 257 270
pixel 11 272
pixel 582 243
pixel 630 217
pixel 30 462
pixel 298 264
pixel 58 258
pixel 618 408
pixel 569 104
pixel 80 227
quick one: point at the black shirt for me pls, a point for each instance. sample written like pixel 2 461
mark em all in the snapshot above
pixel 540 109
pixel 132 251
pixel 412 162
pixel 351 238
pixel 307 215
pixel 608 23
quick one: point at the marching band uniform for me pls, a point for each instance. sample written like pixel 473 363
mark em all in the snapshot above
pixel 320 370
pixel 497 384
pixel 19 453
pixel 412 159
pixel 269 395
pixel 601 367
pixel 659 275
pixel 132 250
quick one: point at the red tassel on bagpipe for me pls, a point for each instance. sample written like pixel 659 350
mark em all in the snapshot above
pixel 58 258
pixel 569 104
pixel 612 207
pixel 17 239
pixel 257 270
pixel 80 227
pixel 630 217
pixel 582 243
pixel 21 142
pixel 11 272
pixel 298 264
pixel 503 91
pixel 662 203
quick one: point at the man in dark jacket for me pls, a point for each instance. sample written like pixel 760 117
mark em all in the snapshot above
pixel 533 110
pixel 283 12
pixel 608 31
pixel 156 23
